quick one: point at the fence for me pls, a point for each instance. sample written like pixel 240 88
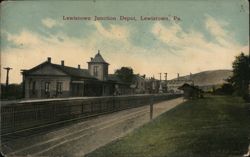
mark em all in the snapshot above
pixel 36 113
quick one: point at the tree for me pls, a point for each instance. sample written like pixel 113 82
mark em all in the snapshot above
pixel 125 74
pixel 226 89
pixel 14 91
pixel 241 74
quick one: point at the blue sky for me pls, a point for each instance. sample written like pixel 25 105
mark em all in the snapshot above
pixel 208 36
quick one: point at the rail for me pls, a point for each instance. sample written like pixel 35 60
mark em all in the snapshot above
pixel 17 116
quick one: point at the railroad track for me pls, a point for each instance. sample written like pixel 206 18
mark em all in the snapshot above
pixel 33 131
pixel 78 136
pixel 71 135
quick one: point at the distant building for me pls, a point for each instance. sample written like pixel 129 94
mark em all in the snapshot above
pixel 139 83
pixel 173 85
pixel 190 91
pixel 48 80
pixel 120 87
pixel 152 85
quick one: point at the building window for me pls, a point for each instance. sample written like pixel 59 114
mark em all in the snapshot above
pixel 59 87
pixel 95 71
pixel 47 87
pixel 33 87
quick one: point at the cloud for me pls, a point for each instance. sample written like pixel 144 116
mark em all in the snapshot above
pixel 214 27
pixel 197 53
pixel 174 36
pixel 37 48
pixel 218 31
pixel 167 35
pixel 50 23
pixel 74 50
pixel 116 32
pixel 24 38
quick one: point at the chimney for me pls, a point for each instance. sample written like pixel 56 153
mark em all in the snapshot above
pixel 79 66
pixel 62 62
pixel 49 59
pixel 178 76
pixel 91 59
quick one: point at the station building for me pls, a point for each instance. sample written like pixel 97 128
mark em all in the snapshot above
pixel 49 80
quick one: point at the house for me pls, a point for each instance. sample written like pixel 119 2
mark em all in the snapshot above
pixel 174 84
pixel 152 85
pixel 120 87
pixel 190 91
pixel 139 84
pixel 49 80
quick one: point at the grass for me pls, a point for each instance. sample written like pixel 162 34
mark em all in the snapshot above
pixel 216 126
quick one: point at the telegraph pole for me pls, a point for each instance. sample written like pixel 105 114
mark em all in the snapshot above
pixel 7 79
pixel 160 76
pixel 23 83
pixel 190 77
pixel 166 76
pixel 166 80
pixel 7 76
pixel 160 86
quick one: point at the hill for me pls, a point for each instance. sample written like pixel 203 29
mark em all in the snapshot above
pixel 207 78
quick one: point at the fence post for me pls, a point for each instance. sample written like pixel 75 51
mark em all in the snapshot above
pixel 36 112
pixel 14 117
pixel 151 107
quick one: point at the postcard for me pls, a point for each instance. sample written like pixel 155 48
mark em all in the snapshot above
pixel 106 78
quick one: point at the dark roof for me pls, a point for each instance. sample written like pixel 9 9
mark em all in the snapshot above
pixel 115 78
pixel 137 76
pixel 73 72
pixel 185 85
pixel 98 59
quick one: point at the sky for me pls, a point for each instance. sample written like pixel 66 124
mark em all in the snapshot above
pixel 205 35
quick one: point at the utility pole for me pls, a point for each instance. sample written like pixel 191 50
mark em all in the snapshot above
pixel 160 86
pixel 160 76
pixel 7 76
pixel 166 76
pixel 166 80
pixel 190 78
pixel 23 83
pixel 7 79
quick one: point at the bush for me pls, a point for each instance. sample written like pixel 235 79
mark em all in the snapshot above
pixel 225 89
pixel 246 97
pixel 14 92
